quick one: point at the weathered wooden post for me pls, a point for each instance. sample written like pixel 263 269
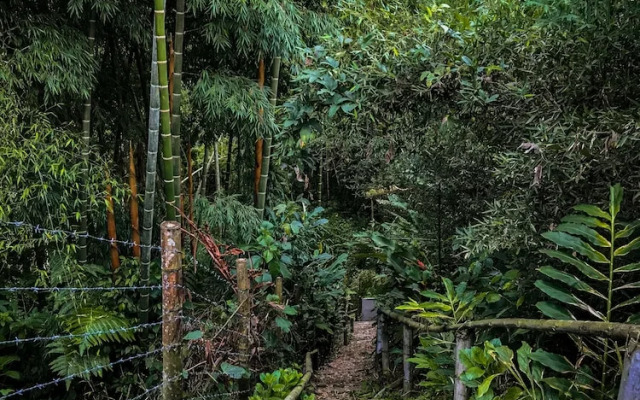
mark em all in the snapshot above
pixel 345 322
pixel 379 324
pixel 279 291
pixel 386 370
pixel 244 311
pixel 407 351
pixel 172 298
pixel 464 338
pixel 630 380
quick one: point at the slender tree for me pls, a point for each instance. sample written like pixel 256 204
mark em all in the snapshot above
pixel 86 145
pixel 176 95
pixel 111 230
pixel 165 117
pixel 266 162
pixel 133 204
pixel 216 156
pixel 150 183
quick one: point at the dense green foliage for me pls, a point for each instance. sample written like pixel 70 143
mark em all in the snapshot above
pixel 423 152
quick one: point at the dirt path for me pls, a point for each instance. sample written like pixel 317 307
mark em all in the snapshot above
pixel 343 377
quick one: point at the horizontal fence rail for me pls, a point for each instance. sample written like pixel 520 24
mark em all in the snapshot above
pixel 308 366
pixel 464 340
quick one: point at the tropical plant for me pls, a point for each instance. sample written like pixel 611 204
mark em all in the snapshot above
pixel 277 385
pixel 598 270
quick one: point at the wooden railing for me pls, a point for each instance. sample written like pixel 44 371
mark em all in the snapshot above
pixel 629 386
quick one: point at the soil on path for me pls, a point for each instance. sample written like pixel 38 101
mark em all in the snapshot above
pixel 342 378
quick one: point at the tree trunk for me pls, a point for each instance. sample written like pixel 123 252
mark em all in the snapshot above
pixel 176 96
pixel 150 183
pixel 216 158
pixel 165 118
pixel 202 186
pixel 259 142
pixel 86 146
pixel 111 231
pixel 267 148
pixel 133 204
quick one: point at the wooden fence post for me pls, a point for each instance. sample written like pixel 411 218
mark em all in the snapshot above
pixel 244 311
pixel 630 380
pixel 384 354
pixel 172 298
pixel 407 352
pixel 279 291
pixel 345 322
pixel 464 338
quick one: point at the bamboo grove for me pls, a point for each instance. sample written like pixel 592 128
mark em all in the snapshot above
pixel 460 160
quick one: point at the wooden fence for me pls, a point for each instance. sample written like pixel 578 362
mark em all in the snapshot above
pixel 629 386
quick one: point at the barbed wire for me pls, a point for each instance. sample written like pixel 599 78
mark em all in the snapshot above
pixel 87 371
pixel 154 388
pixel 17 341
pixel 215 396
pixel 37 289
pixel 76 234
pixel 210 324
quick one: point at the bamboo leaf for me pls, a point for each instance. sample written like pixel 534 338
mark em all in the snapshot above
pixel 629 302
pixel 593 211
pixel 554 311
pixel 628 248
pixel 570 280
pixel 571 242
pixel 585 220
pixel 585 268
pixel 629 268
pixel 584 231
pixel 634 285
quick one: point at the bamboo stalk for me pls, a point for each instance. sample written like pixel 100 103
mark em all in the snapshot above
pixel 267 148
pixel 133 204
pixel 296 391
pixel 165 118
pixel 176 115
pixel 259 142
pixel 612 330
pixel 86 147
pixel 111 231
pixel 279 290
pixel 150 183
pixel 216 157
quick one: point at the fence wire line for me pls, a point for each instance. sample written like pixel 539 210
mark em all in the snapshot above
pixel 76 234
pixel 87 371
pixel 214 396
pixel 36 289
pixel 17 341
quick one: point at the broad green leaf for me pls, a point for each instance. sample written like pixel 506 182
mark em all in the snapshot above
pixel 628 248
pixel 561 384
pixel 629 268
pixel 435 306
pixel 433 295
pixel 431 314
pixel 585 220
pixel 232 371
pixel 561 295
pixel 615 198
pixel 283 324
pixel 585 268
pixel 576 244
pixel 451 293
pixel 290 310
pixel 551 360
pixel 522 356
pixel 570 280
pixel 584 231
pixel 382 241
pixel 193 335
pixel 324 327
pixel 472 373
pixel 592 210
pixel 513 393
pixel 554 311
pixel 486 384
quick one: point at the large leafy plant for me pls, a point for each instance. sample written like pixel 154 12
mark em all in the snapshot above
pixel 597 282
pixel 277 385
pixel 532 375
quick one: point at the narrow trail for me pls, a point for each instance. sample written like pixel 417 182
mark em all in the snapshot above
pixel 342 378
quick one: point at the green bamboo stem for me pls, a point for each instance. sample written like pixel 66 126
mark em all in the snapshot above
pixel 612 330
pixel 266 149
pixel 86 147
pixel 150 183
pixel 165 118
pixel 296 391
pixel 176 118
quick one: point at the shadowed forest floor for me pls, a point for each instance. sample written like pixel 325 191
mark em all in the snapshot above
pixel 343 377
